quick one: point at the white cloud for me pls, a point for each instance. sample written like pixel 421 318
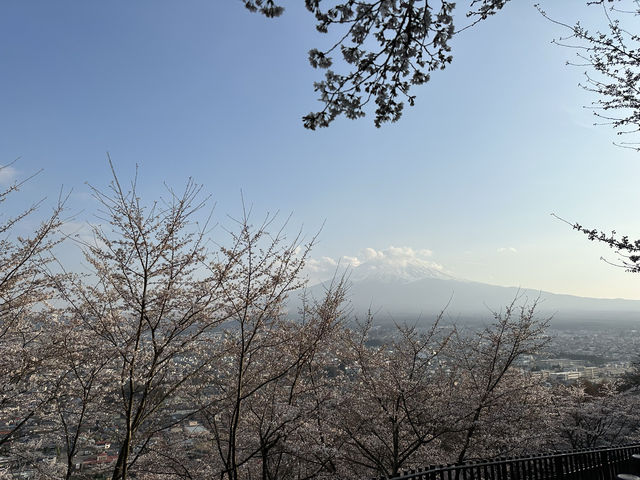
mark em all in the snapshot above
pixel 350 261
pixel 7 174
pixel 322 268
pixel 321 264
pixel 403 255
pixel 507 250
pixel 369 254
pixel 391 259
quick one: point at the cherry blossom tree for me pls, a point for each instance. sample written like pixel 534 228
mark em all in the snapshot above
pixel 595 420
pixel 267 369
pixel 27 377
pixel 496 397
pixel 392 410
pixel 610 55
pixel 384 47
pixel 149 305
pixel 82 409
pixel 166 320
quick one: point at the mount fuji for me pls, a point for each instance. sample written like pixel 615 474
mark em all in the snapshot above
pixel 410 289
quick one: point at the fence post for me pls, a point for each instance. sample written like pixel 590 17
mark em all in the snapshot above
pixel 559 466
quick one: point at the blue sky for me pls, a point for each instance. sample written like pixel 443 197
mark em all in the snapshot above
pixel 201 88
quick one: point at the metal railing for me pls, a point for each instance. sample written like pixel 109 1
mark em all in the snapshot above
pixel 587 464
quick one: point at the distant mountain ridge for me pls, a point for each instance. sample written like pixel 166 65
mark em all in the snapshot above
pixel 415 289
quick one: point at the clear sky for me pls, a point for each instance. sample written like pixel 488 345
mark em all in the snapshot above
pixel 203 88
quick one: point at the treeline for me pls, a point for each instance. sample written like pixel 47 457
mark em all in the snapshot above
pixel 175 358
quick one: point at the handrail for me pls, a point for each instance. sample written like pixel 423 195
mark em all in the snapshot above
pixel 602 463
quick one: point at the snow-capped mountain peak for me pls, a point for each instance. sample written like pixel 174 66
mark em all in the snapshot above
pixel 397 272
